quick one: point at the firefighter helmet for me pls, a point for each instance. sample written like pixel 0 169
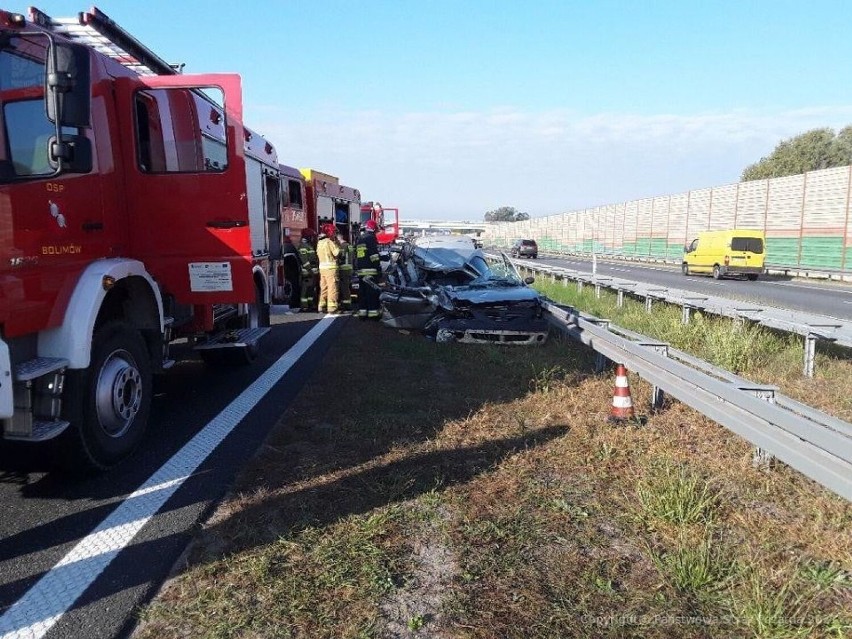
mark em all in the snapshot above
pixel 329 230
pixel 371 225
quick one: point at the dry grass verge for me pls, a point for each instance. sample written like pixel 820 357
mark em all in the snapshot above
pixel 481 493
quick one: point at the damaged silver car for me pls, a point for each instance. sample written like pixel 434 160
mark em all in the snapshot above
pixel 447 288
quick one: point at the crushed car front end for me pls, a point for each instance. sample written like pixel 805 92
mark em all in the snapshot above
pixel 449 291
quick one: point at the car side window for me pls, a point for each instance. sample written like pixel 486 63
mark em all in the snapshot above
pixel 693 245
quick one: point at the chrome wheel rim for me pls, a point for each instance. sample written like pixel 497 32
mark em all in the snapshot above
pixel 118 393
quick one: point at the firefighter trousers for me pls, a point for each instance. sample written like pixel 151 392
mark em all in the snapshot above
pixel 328 291
pixel 368 296
pixel 307 289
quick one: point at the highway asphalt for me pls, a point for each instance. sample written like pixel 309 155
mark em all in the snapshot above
pixel 833 299
pixel 45 514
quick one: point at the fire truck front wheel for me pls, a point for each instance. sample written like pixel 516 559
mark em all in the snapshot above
pixel 108 403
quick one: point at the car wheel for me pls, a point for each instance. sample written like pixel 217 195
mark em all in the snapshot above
pixel 752 277
pixel 108 402
pixel 717 272
pixel 684 268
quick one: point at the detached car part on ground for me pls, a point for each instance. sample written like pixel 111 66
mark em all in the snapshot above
pixel 446 288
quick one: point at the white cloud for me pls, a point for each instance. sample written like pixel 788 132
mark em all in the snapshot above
pixel 458 165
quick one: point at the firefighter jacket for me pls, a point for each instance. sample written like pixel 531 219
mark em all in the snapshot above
pixel 308 257
pixel 367 254
pixel 327 252
pixel 346 259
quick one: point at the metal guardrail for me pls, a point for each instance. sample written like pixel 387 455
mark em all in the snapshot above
pixel 810 326
pixel 814 443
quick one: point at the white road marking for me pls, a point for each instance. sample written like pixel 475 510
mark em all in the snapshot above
pixel 824 289
pixel 34 614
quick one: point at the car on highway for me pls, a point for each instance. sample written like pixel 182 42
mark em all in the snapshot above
pixel 449 290
pixel 525 248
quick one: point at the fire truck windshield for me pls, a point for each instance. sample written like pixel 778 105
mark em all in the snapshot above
pixel 25 130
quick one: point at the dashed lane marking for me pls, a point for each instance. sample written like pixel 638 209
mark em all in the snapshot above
pixel 43 605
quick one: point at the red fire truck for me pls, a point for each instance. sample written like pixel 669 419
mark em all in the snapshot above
pixel 387 219
pixel 328 201
pixel 135 209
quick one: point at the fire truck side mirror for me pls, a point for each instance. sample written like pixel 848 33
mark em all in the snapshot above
pixel 74 153
pixel 67 89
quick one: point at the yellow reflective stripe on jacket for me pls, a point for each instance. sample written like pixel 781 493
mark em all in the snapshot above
pixel 367 271
pixel 328 266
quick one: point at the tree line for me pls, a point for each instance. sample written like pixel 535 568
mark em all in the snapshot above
pixel 506 214
pixel 810 151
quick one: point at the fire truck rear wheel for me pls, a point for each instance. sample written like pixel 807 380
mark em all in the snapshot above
pixel 109 402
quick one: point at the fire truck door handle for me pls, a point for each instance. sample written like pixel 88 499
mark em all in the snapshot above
pixel 93 226
pixel 226 224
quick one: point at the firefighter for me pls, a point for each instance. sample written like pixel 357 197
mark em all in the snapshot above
pixel 379 215
pixel 368 268
pixel 310 270
pixel 327 253
pixel 346 260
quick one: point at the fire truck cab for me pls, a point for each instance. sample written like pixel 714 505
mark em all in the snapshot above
pixel 135 209
pixel 386 218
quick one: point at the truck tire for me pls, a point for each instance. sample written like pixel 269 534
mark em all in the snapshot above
pixel 108 403
pixel 717 272
pixel 684 268
pixel 291 285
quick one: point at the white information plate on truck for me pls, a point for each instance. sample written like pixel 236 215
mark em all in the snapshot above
pixel 208 277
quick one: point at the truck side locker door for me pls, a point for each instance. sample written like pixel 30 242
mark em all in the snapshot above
pixel 187 203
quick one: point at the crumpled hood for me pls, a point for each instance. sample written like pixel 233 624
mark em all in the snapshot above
pixel 491 295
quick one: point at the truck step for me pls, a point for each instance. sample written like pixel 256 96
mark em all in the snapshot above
pixel 41 432
pixel 234 339
pixel 37 367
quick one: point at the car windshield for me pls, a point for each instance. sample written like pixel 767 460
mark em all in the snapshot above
pixel 501 273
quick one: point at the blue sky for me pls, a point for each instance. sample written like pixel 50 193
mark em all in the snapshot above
pixel 448 109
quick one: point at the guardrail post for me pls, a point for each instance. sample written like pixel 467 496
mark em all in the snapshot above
pixel 579 286
pixel 810 354
pixel 619 299
pixel 685 313
pixel 761 458
pixel 649 301
pixel 657 395
pixel 601 360
pixel 597 290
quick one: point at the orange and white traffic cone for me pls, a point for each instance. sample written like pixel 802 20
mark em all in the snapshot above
pixel 622 402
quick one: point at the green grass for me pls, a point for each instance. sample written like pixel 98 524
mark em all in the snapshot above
pixel 673 494
pixel 695 568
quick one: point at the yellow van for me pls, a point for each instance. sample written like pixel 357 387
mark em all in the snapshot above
pixel 721 253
